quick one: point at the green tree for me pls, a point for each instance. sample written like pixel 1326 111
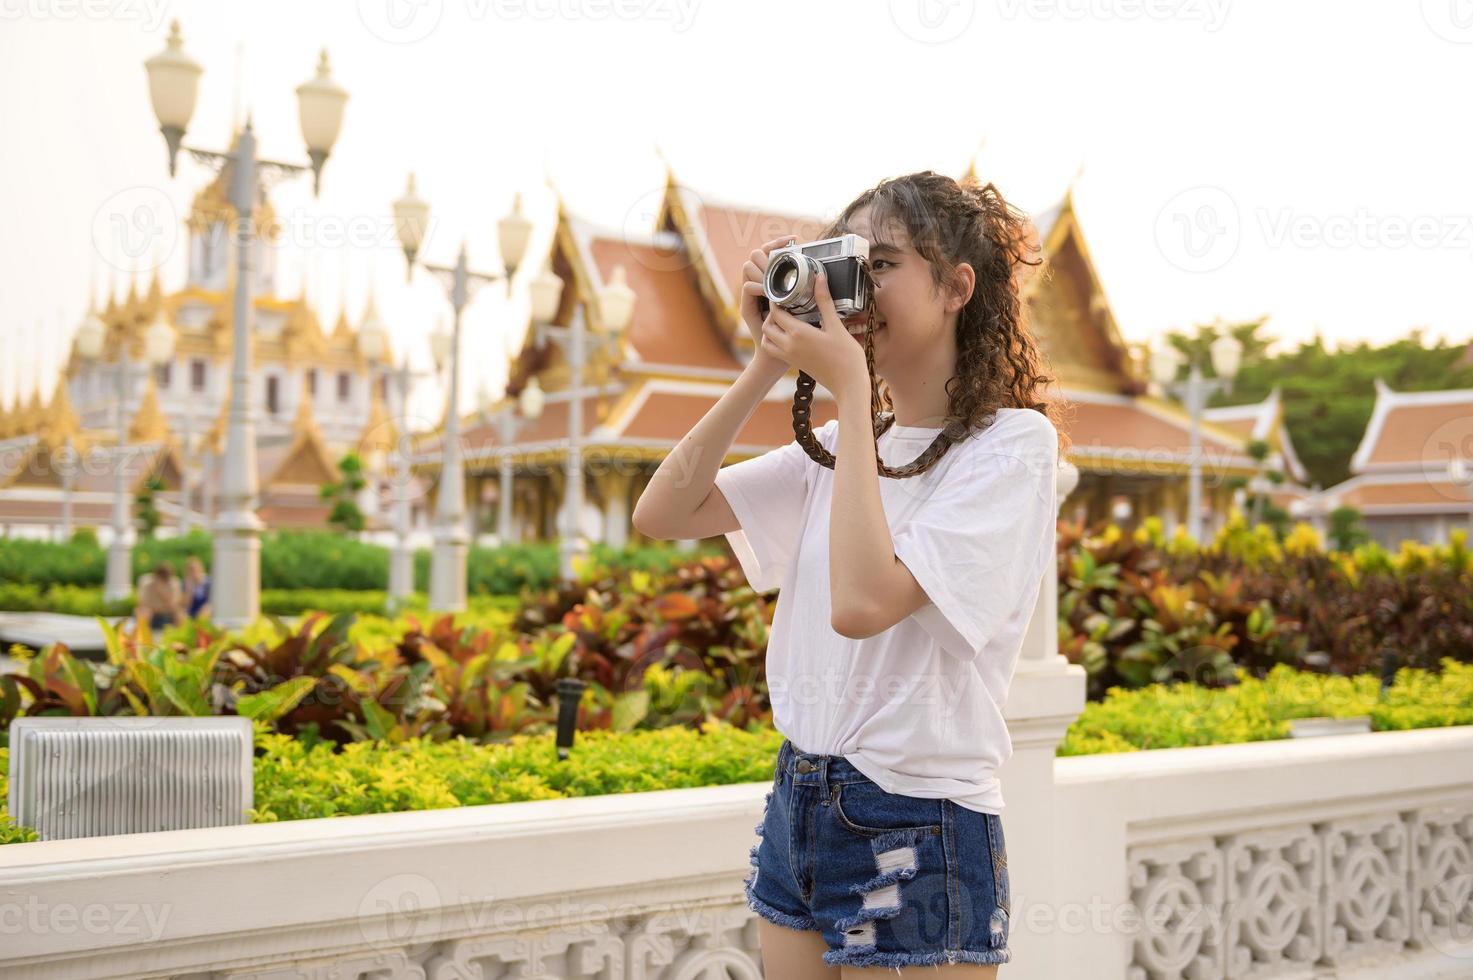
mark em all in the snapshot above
pixel 1328 395
pixel 346 514
pixel 145 506
pixel 1345 531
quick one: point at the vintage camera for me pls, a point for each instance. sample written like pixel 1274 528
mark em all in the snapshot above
pixel 792 273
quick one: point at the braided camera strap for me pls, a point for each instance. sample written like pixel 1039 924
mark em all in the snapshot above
pixel 803 405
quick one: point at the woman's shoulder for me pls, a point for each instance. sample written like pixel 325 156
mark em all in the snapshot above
pixel 1011 431
pixel 1016 431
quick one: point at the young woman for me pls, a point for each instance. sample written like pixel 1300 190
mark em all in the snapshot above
pixel 904 597
pixel 196 588
pixel 160 598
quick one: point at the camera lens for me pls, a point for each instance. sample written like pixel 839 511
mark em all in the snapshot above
pixel 789 280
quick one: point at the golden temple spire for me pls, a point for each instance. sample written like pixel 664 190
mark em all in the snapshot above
pixel 971 172
pixel 61 425
pixel 148 424
pixel 111 309
pixel 1069 193
pixel 379 433
pixel 305 422
pixel 36 410
pixel 155 292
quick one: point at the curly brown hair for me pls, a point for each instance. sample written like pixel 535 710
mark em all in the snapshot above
pixel 951 222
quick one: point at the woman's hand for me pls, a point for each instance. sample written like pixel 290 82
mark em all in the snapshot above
pixel 753 272
pixel 825 353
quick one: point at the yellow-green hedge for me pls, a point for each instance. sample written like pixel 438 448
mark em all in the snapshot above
pixel 10 832
pixel 1170 716
pixel 297 780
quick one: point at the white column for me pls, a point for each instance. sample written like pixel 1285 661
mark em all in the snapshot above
pixel 235 590
pixel 1169 516
pixel 451 545
pixel 401 555
pixel 68 477
pixel 616 511
pixel 1046 695
pixel 570 544
pixel 506 487
pixel 118 583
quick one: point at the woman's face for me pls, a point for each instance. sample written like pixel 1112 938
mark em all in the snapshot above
pixel 910 309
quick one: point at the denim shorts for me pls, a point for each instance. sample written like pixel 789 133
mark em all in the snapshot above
pixel 889 880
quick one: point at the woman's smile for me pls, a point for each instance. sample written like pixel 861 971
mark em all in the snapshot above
pixel 855 326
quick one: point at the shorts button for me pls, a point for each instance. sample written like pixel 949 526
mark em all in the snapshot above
pixel 804 765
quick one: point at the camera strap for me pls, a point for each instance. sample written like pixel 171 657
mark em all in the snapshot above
pixel 803 414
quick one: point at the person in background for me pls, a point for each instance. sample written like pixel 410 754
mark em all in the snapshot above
pixel 160 598
pixel 196 588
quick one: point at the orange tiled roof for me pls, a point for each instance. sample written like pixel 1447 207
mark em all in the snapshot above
pixel 1133 430
pixel 667 416
pixel 1415 492
pixel 48 511
pixel 690 266
pixel 1427 433
pixel 305 514
pixel 732 233
pixel 1401 462
pixel 1263 420
pixel 671 325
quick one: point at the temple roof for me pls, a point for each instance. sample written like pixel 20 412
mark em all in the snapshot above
pixel 1414 430
pixel 1385 494
pixel 685 344
pixel 95 468
pixel 1264 421
pixel 148 423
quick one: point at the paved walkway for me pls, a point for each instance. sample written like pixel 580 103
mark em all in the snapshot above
pixel 81 634
pixel 36 629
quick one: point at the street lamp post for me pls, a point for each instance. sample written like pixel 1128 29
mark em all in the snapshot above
pixel 530 403
pixel 173 84
pixel 451 543
pixel 506 419
pixel 613 310
pixel 69 460
pixel 1459 473
pixel 1226 353
pixel 186 494
pixel 373 342
pixel 401 556
pixel 158 347
pixel 506 477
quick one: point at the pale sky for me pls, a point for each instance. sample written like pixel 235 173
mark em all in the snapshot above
pixel 1308 160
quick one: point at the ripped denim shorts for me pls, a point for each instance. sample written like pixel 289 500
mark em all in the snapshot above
pixel 888 880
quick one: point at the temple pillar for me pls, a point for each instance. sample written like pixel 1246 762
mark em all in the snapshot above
pixel 616 511
pixel 1170 504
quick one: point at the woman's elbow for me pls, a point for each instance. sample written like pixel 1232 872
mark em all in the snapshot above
pixel 643 526
pixel 853 624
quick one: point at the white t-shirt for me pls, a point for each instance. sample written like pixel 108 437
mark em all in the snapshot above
pixel 918 707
